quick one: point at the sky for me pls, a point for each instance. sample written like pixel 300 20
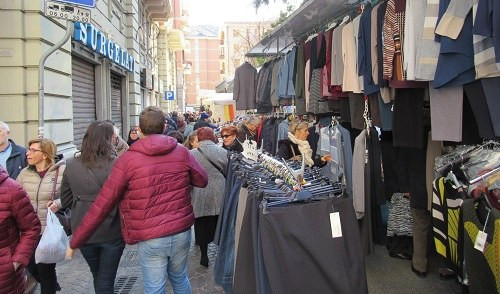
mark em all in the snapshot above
pixel 216 12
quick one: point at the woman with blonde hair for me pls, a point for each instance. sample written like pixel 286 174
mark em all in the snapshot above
pixel 192 141
pixel 297 147
pixel 42 181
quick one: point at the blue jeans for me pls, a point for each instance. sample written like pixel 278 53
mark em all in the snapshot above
pixel 103 259
pixel 165 256
pixel 224 262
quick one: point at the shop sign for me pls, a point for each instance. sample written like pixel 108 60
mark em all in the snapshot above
pixel 169 95
pixel 85 3
pixel 90 36
pixel 69 12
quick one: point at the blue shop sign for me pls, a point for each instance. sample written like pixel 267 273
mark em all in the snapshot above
pixel 90 36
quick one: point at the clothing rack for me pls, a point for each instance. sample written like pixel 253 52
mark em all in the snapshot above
pixel 462 157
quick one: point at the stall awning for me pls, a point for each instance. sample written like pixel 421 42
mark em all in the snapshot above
pixel 175 39
pixel 303 21
pixel 221 99
pixel 226 86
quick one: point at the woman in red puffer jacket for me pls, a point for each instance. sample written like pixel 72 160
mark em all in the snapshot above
pixel 19 231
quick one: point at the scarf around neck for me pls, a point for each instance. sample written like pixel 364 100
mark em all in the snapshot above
pixel 304 148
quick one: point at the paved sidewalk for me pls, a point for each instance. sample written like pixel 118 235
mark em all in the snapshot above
pixel 75 278
pixel 385 275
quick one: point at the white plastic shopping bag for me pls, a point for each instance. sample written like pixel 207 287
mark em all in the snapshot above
pixel 54 242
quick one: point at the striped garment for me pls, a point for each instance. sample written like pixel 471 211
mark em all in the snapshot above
pixel 428 47
pixel 452 24
pixel 446 206
pixel 393 31
pixel 484 52
pixel 400 220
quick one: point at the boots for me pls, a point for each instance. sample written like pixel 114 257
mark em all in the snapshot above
pixel 204 255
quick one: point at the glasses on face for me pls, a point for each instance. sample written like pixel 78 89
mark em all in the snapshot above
pixel 225 136
pixel 133 133
pixel 33 150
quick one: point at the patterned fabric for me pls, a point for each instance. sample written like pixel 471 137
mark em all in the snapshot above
pixel 428 47
pixel 315 91
pixel 456 56
pixel 400 221
pixel 483 269
pixel 446 206
pixel 484 50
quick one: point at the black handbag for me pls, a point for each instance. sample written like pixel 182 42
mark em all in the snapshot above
pixel 64 215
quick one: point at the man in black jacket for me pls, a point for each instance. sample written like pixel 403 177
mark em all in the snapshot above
pixel 12 156
pixel 202 122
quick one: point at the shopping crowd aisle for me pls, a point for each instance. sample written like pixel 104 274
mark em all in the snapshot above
pixel 75 277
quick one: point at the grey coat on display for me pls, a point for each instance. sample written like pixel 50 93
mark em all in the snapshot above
pixel 245 86
pixel 208 201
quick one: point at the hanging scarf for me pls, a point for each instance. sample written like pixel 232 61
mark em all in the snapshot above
pixel 304 148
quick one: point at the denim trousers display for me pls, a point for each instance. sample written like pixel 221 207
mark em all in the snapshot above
pixel 162 257
pixel 103 259
pixel 224 263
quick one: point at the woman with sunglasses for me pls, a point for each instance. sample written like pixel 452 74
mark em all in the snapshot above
pixel 229 140
pixel 133 136
pixel 42 181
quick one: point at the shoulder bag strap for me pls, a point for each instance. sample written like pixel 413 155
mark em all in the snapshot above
pixel 95 178
pixel 54 186
pixel 212 163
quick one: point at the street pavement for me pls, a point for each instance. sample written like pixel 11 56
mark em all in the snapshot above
pixel 385 275
pixel 75 278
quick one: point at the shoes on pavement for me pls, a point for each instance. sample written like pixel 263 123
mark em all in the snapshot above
pixel 31 285
pixel 400 255
pixel 204 261
pixel 418 273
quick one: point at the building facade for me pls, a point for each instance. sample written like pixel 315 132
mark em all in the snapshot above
pixel 110 69
pixel 236 39
pixel 204 60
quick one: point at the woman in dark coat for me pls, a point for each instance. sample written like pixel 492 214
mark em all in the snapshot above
pixel 229 140
pixel 83 178
pixel 133 136
pixel 297 146
pixel 19 231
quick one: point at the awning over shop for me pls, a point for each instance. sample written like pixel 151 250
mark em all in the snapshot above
pixel 226 86
pixel 175 39
pixel 221 99
pixel 302 22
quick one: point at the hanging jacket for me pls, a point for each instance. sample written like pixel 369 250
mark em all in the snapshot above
pixel 19 231
pixel 40 189
pixel 152 183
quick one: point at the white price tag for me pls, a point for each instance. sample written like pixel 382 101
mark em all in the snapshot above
pixel 335 224
pixel 480 243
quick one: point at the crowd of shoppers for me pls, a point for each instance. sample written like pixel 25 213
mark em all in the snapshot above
pixel 148 190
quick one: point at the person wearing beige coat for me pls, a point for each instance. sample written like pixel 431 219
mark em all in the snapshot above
pixel 38 181
pixel 40 189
